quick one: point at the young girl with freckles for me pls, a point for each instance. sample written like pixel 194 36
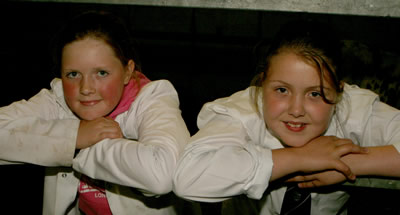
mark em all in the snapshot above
pixel 109 137
pixel 298 123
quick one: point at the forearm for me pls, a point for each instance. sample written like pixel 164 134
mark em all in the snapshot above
pixel 220 163
pixel 35 132
pixel 379 161
pixel 212 174
pixel 285 163
pixel 37 141
pixel 130 163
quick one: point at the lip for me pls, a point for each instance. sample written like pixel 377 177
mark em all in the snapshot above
pixel 89 103
pixel 295 126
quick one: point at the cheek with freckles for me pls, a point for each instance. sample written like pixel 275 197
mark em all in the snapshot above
pixel 71 91
pixel 111 92
pixel 272 110
pixel 321 115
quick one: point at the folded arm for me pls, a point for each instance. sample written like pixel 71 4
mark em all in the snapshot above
pixel 32 132
pixel 380 134
pixel 154 136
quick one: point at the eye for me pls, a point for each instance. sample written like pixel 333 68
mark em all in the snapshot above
pixel 281 90
pixel 315 94
pixel 72 75
pixel 102 73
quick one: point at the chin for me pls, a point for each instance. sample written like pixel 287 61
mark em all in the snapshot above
pixel 89 117
pixel 295 142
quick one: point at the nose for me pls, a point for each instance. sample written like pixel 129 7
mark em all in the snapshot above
pixel 296 106
pixel 87 86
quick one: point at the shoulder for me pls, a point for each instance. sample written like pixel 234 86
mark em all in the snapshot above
pixel 47 96
pixel 355 92
pixel 154 95
pixel 158 85
pixel 48 103
pixel 57 94
pixel 157 88
pixel 239 106
pixel 156 101
pixel 357 100
pixel 56 86
pixel 356 106
pixel 57 90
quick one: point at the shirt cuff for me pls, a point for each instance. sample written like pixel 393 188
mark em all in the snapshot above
pixel 260 181
pixel 397 146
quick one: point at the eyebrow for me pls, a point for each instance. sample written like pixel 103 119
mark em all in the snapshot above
pixel 308 88
pixel 69 70
pixel 278 81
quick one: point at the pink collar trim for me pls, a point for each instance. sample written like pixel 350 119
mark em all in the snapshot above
pixel 129 95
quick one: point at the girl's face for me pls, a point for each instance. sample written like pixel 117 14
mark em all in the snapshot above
pixel 294 110
pixel 93 78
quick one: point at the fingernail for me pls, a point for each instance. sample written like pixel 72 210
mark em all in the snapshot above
pixel 364 150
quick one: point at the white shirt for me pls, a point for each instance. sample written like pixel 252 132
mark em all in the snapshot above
pixel 43 131
pixel 231 154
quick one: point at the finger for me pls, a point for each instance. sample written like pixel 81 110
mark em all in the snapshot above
pixel 113 123
pixel 310 177
pixel 110 128
pixel 115 135
pixel 109 125
pixel 298 178
pixel 350 148
pixel 359 150
pixel 331 137
pixel 111 132
pixel 343 168
pixel 110 135
pixel 342 141
pixel 309 184
pixel 106 121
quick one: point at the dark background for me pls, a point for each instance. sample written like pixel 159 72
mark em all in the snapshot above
pixel 205 53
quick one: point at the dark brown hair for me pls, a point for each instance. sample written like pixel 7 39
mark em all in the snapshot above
pixel 315 42
pixel 99 25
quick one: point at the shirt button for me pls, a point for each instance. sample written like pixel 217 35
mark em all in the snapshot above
pixel 64 175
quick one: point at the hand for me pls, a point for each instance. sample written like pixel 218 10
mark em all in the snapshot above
pixel 319 179
pixel 325 153
pixel 93 131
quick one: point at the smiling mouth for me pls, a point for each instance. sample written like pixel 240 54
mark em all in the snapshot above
pixel 89 103
pixel 295 126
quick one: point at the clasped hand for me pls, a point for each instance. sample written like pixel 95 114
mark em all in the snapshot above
pixel 93 131
pixel 322 159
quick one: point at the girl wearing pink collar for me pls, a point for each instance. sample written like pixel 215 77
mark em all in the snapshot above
pixel 109 136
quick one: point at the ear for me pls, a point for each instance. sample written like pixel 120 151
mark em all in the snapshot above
pixel 341 85
pixel 129 71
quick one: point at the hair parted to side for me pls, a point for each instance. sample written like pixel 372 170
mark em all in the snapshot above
pixel 315 42
pixel 98 25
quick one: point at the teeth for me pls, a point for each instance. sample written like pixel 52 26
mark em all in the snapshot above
pixel 295 125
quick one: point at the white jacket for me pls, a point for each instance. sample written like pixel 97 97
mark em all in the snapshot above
pixel 43 131
pixel 231 154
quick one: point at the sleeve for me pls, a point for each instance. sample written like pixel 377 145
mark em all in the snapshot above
pixel 367 120
pixel 374 123
pixel 379 126
pixel 31 133
pixel 147 163
pixel 221 161
pixel 385 125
